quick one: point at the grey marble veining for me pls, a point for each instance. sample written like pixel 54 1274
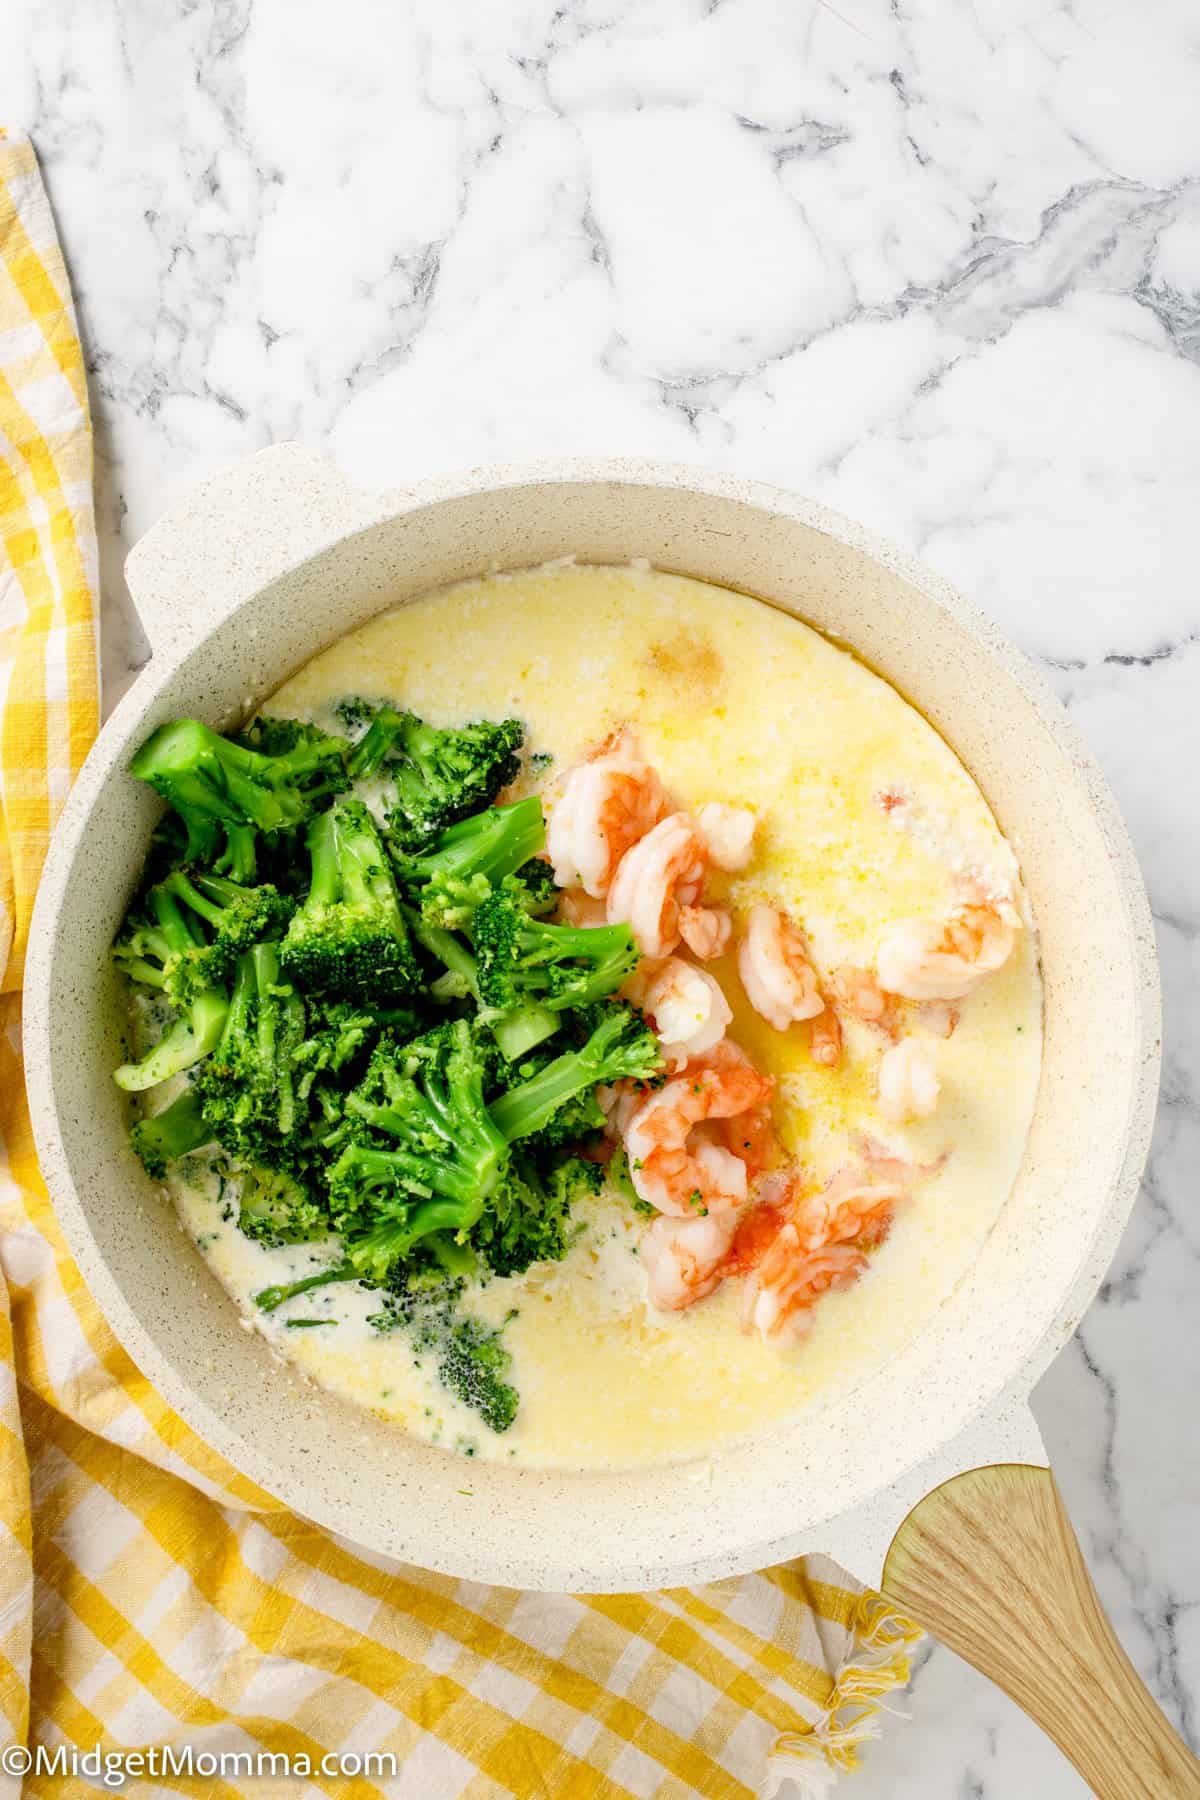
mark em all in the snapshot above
pixel 937 266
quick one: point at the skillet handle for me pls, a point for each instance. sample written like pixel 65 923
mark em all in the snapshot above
pixel 990 1564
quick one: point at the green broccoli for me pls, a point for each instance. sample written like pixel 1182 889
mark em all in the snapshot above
pixel 452 901
pixel 248 1084
pixel 228 795
pixel 192 1036
pixel 440 775
pixel 491 845
pixel 556 966
pixel 349 935
pixel 269 1299
pixel 186 933
pixel 528 1215
pixel 166 1136
pixel 380 744
pixel 621 1047
pixel 473 1364
pixel 339 1035
pixel 161 944
pixel 276 1209
pixel 440 1158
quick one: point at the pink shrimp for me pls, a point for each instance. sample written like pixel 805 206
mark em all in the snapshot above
pixel 907 1080
pixel 795 1245
pixel 857 992
pixel 778 1296
pixel 581 908
pixel 728 833
pixel 854 1206
pixel 603 807
pixel 683 1257
pixel 930 959
pixel 706 930
pixel 660 875
pixel 687 1009
pixel 681 1170
pixel 781 983
pixel 776 972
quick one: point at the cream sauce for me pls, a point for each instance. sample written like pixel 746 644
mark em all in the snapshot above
pixel 732 701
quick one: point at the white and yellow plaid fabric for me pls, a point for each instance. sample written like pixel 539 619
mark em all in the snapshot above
pixel 150 1596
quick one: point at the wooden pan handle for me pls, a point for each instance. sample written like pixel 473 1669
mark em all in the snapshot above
pixel 989 1564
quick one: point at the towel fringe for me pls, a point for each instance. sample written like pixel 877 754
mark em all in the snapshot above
pixel 814 1760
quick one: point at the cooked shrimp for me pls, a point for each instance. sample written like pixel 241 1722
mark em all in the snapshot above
pixel 728 832
pixel 779 1295
pixel 825 1039
pixel 908 1080
pixel 581 908
pixel 603 807
pixel 924 959
pixel 773 962
pixel 680 1171
pixel 854 1206
pixel 682 1258
pixel 687 1009
pixel 794 1245
pixel 706 930
pixel 938 1017
pixel 660 875
pixel 857 992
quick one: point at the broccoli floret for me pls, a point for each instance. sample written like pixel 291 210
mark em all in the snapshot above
pixel 237 916
pixel 491 845
pixel 161 944
pixel 528 1216
pixel 317 758
pixel 349 936
pixel 473 1364
pixel 176 1131
pixel 248 1085
pixel 440 774
pixel 428 1155
pixel 471 1360
pixel 534 887
pixel 557 966
pixel 452 901
pixel 227 795
pixel 187 932
pixel 276 1209
pixel 621 1047
pixel 339 1034
pixel 579 1120
pixel 194 1035
pixel 354 712
pixel 380 744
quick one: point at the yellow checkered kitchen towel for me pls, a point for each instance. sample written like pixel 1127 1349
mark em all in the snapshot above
pixel 150 1597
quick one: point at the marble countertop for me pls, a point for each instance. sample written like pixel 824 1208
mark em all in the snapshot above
pixel 936 265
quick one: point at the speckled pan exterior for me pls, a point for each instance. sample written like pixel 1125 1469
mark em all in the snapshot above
pixel 238 587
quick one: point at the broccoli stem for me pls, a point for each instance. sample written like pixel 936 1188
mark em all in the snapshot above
pixel 393 1238
pixel 191 1037
pixel 519 1032
pixel 453 955
pixel 516 1032
pixel 269 1299
pixel 494 844
pixel 176 1131
pixel 530 1105
pixel 376 742
pixel 458 1260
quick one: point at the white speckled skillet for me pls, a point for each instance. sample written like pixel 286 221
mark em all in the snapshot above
pixel 240 585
